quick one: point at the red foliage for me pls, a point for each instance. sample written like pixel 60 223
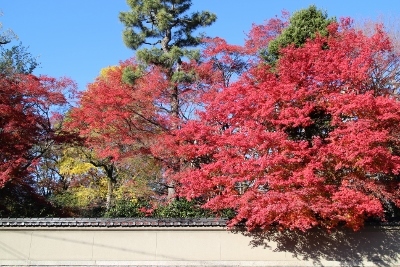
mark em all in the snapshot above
pixel 118 119
pixel 260 35
pixel 315 142
pixel 27 106
pixel 222 61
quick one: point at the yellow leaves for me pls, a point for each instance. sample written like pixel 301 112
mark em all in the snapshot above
pixel 89 181
pixel 85 196
pixel 74 162
pixel 125 192
pixel 73 166
pixel 105 72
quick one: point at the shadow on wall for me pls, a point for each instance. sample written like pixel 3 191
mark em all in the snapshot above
pixel 373 244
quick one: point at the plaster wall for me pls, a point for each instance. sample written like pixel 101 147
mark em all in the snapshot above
pixel 195 246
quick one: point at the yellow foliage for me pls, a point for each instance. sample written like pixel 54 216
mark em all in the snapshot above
pixel 73 162
pixel 125 192
pixel 104 71
pixel 70 166
pixel 89 184
pixel 84 196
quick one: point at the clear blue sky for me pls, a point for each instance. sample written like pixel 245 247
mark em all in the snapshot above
pixel 76 38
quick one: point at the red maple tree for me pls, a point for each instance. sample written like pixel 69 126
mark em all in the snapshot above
pixel 312 142
pixel 28 106
pixel 118 119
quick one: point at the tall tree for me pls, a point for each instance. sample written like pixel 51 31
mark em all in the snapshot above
pixel 117 121
pixel 166 26
pixel 169 31
pixel 29 107
pixel 313 143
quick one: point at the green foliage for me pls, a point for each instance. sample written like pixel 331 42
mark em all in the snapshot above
pixel 178 208
pixel 161 20
pixel 81 201
pixel 304 24
pixel 128 208
pixel 166 26
pixel 16 60
pixel 130 75
pixel 183 77
pixel 182 208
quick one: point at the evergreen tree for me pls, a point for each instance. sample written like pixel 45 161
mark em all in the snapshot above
pixel 167 31
pixel 303 24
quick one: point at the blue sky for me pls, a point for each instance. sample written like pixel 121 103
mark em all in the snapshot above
pixel 76 38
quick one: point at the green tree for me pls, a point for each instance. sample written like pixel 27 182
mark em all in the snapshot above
pixel 165 26
pixel 16 59
pixel 303 24
pixel 168 32
pixel 164 23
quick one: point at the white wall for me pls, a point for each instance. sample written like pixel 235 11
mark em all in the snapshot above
pixel 195 246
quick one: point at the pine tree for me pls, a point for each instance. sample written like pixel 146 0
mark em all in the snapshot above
pixel 168 33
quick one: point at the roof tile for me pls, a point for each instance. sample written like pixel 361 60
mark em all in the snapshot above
pixel 111 222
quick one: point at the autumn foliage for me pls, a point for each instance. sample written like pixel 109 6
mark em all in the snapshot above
pixel 28 106
pixel 117 119
pixel 312 142
pixel 289 131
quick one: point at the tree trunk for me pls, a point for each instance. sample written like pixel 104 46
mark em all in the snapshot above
pixel 110 184
pixel 109 194
pixel 171 191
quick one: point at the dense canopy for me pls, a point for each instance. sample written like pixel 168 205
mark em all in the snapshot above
pixel 296 129
pixel 313 142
